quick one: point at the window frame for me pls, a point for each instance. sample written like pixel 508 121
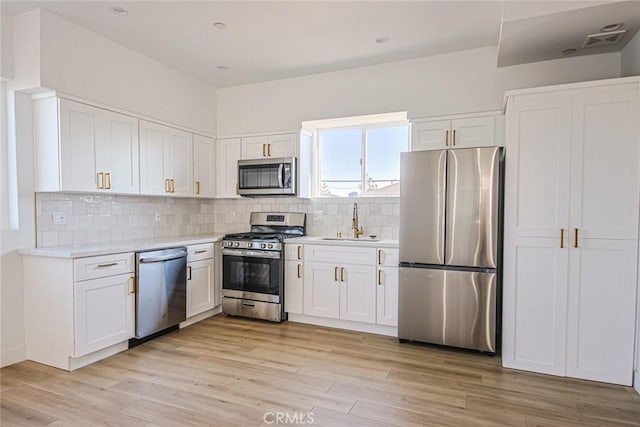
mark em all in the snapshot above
pixel 363 152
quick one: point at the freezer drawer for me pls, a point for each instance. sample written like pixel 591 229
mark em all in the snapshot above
pixel 455 308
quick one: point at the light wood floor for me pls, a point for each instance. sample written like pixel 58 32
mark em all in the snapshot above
pixel 231 371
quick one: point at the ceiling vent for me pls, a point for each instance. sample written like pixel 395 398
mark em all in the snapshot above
pixel 604 39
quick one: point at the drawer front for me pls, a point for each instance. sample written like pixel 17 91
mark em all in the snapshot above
pixel 293 251
pixel 340 254
pixel 198 252
pixel 103 266
pixel 388 257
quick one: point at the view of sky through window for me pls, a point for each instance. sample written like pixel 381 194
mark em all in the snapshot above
pixel 344 154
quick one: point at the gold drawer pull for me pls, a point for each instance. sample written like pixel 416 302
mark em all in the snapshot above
pixel 575 243
pixel 379 277
pixel 379 256
pixel 132 288
pixel 335 274
pixel 167 189
pixel 111 264
pixel 562 238
pixel 108 179
pixel 299 275
pixel 189 271
pixel 200 251
pixel 100 180
pixel 454 137
pixel 299 252
pixel 342 274
pixel 263 148
pixel 197 187
pixel 269 150
pixel 446 138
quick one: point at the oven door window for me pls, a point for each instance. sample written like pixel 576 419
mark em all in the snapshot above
pixel 250 274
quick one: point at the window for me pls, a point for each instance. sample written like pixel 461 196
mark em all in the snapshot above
pixel 361 160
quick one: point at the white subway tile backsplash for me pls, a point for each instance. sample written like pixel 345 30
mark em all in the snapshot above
pixel 100 218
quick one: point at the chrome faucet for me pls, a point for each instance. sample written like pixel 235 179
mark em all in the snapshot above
pixel 354 223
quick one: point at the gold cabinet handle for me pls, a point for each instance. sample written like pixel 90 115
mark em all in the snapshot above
pixel 100 180
pixel 575 242
pixel 173 185
pixel 299 251
pixel 269 150
pixel 167 189
pixel 199 251
pixel 264 146
pixel 188 272
pixel 561 238
pixel 342 274
pixel 108 179
pixel 454 137
pixel 446 138
pixel 111 264
pixel 197 187
pixel 379 256
pixel 299 275
pixel 379 277
pixel 132 285
pixel 335 274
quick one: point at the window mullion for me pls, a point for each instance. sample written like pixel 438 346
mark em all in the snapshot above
pixel 363 166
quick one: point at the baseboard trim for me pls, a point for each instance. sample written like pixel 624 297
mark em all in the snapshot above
pixel 636 380
pixel 390 331
pixel 198 317
pixel 12 356
pixel 88 359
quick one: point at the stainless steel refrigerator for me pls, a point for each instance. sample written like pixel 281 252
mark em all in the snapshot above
pixel 450 246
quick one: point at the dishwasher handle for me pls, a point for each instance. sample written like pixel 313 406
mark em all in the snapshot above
pixel 176 255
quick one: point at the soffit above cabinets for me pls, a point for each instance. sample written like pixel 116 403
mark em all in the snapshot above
pixel 540 31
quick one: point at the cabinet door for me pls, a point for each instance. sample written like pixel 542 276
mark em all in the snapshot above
pixel 179 162
pixel 430 135
pixel 602 298
pixel 537 172
pixel 78 140
pixel 604 164
pixel 282 145
pixel 358 293
pixel 535 305
pixel 321 289
pixel 473 132
pixel 227 156
pixel 387 298
pixel 254 147
pixel 203 166
pixel 117 152
pixel 104 313
pixel 154 140
pixel 293 287
pixel 200 287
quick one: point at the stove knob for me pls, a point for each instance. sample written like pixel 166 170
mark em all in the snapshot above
pixel 228 243
pixel 236 244
pixel 270 246
pixel 262 245
pixel 249 245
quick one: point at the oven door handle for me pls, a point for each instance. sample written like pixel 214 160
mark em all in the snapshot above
pixel 255 254
pixel 280 178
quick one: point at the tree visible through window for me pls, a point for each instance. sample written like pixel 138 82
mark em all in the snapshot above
pixel 361 161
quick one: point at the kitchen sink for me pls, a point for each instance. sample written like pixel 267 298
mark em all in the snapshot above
pixel 347 239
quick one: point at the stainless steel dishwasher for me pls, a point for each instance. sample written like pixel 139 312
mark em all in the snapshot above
pixel 161 297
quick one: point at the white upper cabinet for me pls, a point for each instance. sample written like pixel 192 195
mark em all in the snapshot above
pixel 84 148
pixel 228 152
pixel 265 146
pixel 571 231
pixel 204 166
pixel 464 132
pixel 166 160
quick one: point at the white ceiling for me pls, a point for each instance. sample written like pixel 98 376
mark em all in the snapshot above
pixel 267 40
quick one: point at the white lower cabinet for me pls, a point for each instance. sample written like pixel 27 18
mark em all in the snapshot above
pixel 201 279
pixel 104 312
pixel 293 290
pixel 387 296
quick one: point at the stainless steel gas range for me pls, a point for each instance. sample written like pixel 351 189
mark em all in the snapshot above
pixel 253 266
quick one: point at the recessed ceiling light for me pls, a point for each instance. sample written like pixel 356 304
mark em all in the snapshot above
pixel 383 39
pixel 219 25
pixel 569 51
pixel 120 11
pixel 611 27
pixel 222 68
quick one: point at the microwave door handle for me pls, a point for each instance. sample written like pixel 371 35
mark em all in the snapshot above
pixel 280 178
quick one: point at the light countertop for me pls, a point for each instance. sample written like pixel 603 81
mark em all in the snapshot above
pixel 362 241
pixel 96 249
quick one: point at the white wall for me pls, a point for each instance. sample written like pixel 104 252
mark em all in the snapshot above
pixel 630 57
pixel 12 343
pixel 6 46
pixel 458 82
pixel 54 53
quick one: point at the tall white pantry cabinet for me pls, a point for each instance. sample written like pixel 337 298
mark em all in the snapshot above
pixel 571 229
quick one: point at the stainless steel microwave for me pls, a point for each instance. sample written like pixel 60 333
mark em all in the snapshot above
pixel 266 177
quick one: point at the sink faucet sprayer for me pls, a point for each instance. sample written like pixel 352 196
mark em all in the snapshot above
pixel 354 223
